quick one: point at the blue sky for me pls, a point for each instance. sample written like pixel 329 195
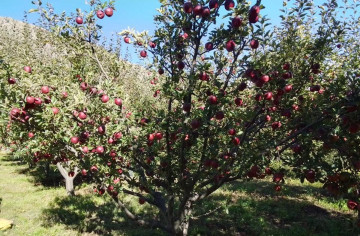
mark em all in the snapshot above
pixel 136 14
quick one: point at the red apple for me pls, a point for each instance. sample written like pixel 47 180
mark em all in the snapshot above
pixel 188 7
pixel 45 89
pixel 30 135
pixel 118 101
pixel 197 10
pixel 219 115
pixel 209 46
pixel 268 95
pixel 85 149
pixel 238 102
pixel 109 11
pixel 254 44
pixel 288 88
pixel 100 14
pixel 83 172
pixel 205 12
pixel 30 100
pixel 127 39
pixel 27 69
pixel 161 71
pixel 195 124
pixel 213 4
pixel 158 136
pixel 212 100
pixel 181 65
pixel 352 205
pixel 143 53
pixel 232 132
pixel 82 116
pixel 79 20
pixel 55 110
pixel 38 101
pixel 152 44
pixel 230 46
pixel 310 176
pixel 151 137
pixel 74 140
pixel 94 168
pixel 105 98
pixel 11 81
pixel 99 149
pixel 236 22
pixel 236 141
pixel 141 201
pixel 229 4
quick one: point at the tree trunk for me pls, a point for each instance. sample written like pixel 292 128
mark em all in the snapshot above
pixel 69 180
pixel 181 226
pixel 69 184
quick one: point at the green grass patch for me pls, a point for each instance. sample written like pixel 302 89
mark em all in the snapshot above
pixel 241 208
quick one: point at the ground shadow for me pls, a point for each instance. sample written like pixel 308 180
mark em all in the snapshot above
pixel 85 214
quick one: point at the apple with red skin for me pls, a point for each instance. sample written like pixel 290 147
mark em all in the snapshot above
pixel 238 102
pixel 232 132
pixel 195 124
pixel 288 88
pixel 161 71
pixel 236 141
pixel 100 14
pixel 109 11
pixel 85 149
pixel 74 140
pixel 254 14
pixel 265 78
pixel 229 4
pixel 213 4
pixel 310 176
pixel 83 86
pixel 30 100
pixel 152 44
pixel 127 40
pixel 101 129
pixel 94 168
pixel 118 101
pixel 268 95
pixel 65 94
pixel 27 69
pixel 151 137
pixel 11 81
pixel 55 110
pixel 99 149
pixel 141 201
pixel 117 135
pixel 204 76
pixel 268 118
pixel 38 101
pixel 188 7
pixel 205 12
pixel 286 66
pixel 352 205
pixel 158 136
pixel 82 115
pixel 212 100
pixel 105 98
pixel 254 43
pixel 230 46
pixel 209 46
pixel 143 53
pixel 276 125
pixel 236 22
pixel 219 115
pixel 181 65
pixel 30 135
pixel 79 20
pixel 45 89
pixel 83 172
pixel 197 10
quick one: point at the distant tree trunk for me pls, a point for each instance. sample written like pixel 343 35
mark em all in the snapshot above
pixel 69 180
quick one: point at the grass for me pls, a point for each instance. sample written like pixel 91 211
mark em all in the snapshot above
pixel 249 208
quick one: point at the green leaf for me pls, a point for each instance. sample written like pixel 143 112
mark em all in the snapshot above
pixel 33 10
